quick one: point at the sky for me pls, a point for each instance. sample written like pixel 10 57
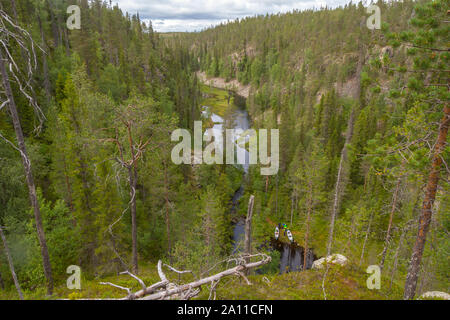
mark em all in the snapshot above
pixel 195 15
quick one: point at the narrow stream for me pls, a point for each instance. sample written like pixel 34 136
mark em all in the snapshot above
pixel 291 258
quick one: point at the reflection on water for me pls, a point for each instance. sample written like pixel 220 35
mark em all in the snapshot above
pixel 235 119
pixel 292 256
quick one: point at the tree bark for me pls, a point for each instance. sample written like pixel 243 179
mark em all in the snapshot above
pixel 365 239
pixel 427 207
pixel 248 226
pixel 166 191
pixel 11 265
pixel 44 61
pixel 350 235
pixel 132 173
pixel 388 232
pixel 29 175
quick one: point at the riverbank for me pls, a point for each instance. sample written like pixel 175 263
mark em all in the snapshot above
pixel 221 83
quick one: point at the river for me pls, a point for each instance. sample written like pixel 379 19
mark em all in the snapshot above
pixel 291 255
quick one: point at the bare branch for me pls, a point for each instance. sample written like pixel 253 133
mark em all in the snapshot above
pixel 160 272
pixel 141 282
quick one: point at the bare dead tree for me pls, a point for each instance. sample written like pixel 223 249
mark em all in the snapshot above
pixel 11 33
pixel 248 227
pixel 340 181
pixel 308 221
pixel 164 289
pixel 11 265
pixel 391 216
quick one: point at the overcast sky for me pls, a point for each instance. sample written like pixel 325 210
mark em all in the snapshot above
pixel 195 15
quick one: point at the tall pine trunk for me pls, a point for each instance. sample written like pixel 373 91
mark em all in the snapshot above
pixel 29 175
pixel 391 216
pixel 427 207
pixel 166 196
pixel 132 172
pixel 340 181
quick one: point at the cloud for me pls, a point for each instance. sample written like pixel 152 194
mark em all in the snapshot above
pixel 195 15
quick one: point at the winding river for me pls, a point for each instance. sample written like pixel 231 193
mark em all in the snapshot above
pixel 291 255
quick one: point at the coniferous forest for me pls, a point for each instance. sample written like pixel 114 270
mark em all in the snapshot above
pixel 92 205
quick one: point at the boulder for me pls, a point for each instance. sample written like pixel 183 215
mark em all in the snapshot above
pixel 388 50
pixel 335 258
pixel 436 294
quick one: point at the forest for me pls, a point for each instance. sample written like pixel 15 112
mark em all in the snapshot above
pixel 87 177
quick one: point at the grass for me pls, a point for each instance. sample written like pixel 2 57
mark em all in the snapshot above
pixel 343 283
pixel 90 287
pixel 216 99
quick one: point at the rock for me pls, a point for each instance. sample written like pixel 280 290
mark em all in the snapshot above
pixel 388 50
pixel 436 294
pixel 335 258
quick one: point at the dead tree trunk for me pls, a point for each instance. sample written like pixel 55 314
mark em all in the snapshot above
pixel 397 252
pixel 388 232
pixel 427 207
pixel 166 196
pixel 132 174
pixel 11 265
pixel 340 181
pixel 14 10
pixel 248 227
pixel 29 175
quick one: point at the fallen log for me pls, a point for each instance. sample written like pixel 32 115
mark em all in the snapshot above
pixel 166 290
